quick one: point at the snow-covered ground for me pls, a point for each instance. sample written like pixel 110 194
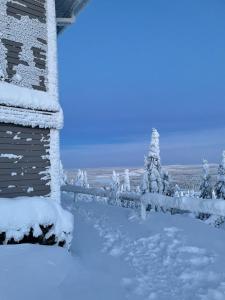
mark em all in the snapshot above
pixel 116 256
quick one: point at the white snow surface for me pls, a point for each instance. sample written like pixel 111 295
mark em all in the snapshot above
pixel 18 215
pixel 116 256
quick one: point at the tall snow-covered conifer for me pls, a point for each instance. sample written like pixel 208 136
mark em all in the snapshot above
pixel 220 184
pixel 152 181
pixel 206 188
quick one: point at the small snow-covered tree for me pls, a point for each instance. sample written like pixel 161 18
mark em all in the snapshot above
pixel 63 177
pixel 79 178
pixel 152 181
pixel 206 188
pixel 126 183
pixel 220 184
pixel 85 180
pixel 168 188
pixel 177 190
pixel 115 185
pixel 138 189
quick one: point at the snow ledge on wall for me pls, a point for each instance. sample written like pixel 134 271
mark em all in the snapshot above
pixel 44 218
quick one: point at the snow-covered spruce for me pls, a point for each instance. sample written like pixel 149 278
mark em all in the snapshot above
pixel 152 181
pixel 206 188
pixel 34 220
pixel 220 184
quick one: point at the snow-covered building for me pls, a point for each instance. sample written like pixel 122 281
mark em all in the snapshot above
pixel 30 113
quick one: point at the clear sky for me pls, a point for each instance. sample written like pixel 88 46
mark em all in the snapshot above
pixel 127 66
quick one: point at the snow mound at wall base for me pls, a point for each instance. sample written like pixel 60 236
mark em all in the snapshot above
pixel 35 220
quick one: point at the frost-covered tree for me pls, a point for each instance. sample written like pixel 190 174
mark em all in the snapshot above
pixel 152 181
pixel 115 185
pixel 63 177
pixel 138 189
pixel 220 184
pixel 168 188
pixel 206 188
pixel 126 183
pixel 85 180
pixel 79 178
pixel 177 190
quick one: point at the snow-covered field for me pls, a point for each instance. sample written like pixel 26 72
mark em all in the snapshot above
pixel 186 176
pixel 117 256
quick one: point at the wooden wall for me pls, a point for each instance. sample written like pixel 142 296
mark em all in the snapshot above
pixel 24 161
pixel 23 43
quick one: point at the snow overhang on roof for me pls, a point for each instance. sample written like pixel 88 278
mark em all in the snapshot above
pixel 66 11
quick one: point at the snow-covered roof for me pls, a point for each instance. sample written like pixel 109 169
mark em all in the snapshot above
pixel 66 10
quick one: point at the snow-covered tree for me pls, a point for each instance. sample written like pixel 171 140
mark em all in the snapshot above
pixel 126 182
pixel 177 190
pixel 138 189
pixel 85 180
pixel 220 184
pixel 152 181
pixel 63 177
pixel 79 178
pixel 115 185
pixel 168 188
pixel 206 188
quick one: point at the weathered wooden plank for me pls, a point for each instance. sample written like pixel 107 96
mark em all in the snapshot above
pixel 21 183
pixel 13 128
pixel 25 10
pixel 18 140
pixel 21 177
pixel 33 5
pixel 5 193
pixel 40 147
pixel 26 170
pixel 24 136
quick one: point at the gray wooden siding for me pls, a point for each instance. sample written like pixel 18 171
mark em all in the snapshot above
pixel 23 43
pixel 24 161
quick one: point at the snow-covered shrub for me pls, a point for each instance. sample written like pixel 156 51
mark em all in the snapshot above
pixel 220 184
pixel 152 181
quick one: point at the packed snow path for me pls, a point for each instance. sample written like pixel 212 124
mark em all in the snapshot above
pixel 116 256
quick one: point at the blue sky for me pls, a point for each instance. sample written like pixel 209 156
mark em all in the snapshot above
pixel 127 66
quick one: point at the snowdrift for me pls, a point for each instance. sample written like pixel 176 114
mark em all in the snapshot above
pixel 34 220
